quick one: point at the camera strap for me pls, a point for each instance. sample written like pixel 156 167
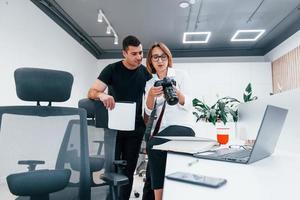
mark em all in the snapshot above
pixel 150 123
pixel 157 126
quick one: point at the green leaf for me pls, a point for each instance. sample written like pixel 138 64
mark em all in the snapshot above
pixel 246 97
pixel 197 116
pixel 248 93
pixel 234 115
pixel 248 88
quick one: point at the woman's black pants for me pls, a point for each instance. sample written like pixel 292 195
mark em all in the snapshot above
pixel 157 158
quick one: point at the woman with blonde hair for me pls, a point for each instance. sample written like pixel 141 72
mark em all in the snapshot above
pixel 172 120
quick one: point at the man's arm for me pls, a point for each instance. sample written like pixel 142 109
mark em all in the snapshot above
pixel 97 92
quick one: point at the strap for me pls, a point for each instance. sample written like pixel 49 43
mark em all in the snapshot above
pixel 150 122
pixel 157 126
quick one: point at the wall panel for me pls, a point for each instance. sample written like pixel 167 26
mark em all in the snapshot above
pixel 286 71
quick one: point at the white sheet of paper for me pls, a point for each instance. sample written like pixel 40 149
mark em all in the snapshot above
pixel 186 138
pixel 190 147
pixel 122 117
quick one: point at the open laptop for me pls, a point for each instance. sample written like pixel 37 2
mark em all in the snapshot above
pixel 268 133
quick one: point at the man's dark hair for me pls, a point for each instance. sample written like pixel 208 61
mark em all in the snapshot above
pixel 130 40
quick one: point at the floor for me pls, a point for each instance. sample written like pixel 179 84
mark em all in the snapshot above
pixel 138 185
pixel 99 193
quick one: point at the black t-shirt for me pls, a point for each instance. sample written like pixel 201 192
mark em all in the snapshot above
pixel 126 85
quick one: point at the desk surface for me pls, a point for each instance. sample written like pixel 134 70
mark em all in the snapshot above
pixel 276 177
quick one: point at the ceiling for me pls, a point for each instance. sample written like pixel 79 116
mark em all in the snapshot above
pixel 164 20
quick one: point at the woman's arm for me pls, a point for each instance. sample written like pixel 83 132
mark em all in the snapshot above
pixel 183 90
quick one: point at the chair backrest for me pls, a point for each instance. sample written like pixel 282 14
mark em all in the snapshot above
pixel 95 135
pixel 39 132
pixel 97 111
pixel 34 84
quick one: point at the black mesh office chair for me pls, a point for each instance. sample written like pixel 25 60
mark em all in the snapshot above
pixel 112 175
pixel 35 135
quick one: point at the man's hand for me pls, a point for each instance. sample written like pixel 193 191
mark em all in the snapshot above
pixel 107 100
pixel 97 92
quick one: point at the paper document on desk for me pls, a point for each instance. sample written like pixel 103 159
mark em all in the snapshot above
pixel 186 138
pixel 189 147
pixel 122 117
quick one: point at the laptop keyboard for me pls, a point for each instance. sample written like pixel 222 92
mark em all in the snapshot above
pixel 237 154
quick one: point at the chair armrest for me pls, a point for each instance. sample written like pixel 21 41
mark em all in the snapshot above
pixel 121 165
pixel 115 179
pixel 31 163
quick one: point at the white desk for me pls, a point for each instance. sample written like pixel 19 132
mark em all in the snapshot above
pixel 276 177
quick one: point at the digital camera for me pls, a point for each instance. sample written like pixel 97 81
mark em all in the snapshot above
pixel 169 92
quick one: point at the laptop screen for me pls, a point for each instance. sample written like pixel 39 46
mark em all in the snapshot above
pixel 250 116
pixel 268 133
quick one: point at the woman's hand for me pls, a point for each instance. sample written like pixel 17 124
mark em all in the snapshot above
pixel 181 97
pixel 155 91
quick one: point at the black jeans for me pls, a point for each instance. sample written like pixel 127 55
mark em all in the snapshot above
pixel 127 148
pixel 157 159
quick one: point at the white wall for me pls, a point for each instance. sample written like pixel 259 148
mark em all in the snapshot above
pixel 210 80
pixel 220 59
pixel 101 64
pixel 283 48
pixel 29 38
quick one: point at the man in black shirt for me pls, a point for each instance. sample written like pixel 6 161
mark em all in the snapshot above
pixel 126 81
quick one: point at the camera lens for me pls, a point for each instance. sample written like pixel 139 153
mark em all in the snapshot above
pixel 170 95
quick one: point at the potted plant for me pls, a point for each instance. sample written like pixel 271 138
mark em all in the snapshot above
pixel 224 110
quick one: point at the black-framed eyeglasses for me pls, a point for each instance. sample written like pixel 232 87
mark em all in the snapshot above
pixel 163 57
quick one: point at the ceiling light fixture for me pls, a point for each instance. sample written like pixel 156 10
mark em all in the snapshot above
pixel 185 4
pixel 116 40
pixel 109 29
pixel 100 16
pixel 186 34
pixel 236 39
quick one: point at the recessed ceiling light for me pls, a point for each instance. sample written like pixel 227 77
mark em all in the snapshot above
pixel 186 34
pixel 237 38
pixel 184 4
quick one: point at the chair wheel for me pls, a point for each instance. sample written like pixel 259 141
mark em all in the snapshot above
pixel 137 195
